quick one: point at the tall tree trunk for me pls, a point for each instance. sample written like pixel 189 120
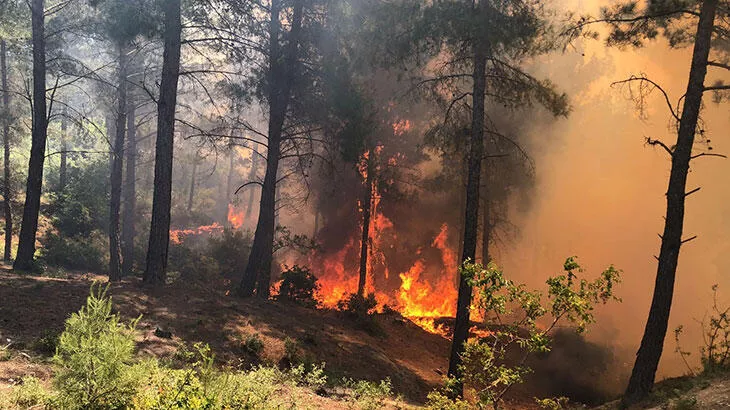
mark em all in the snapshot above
pixel 62 171
pixel 652 343
pixel 367 208
pixel 471 214
pixel 34 185
pixel 251 178
pixel 258 270
pixel 7 191
pixel 115 201
pixel 486 217
pixel 130 189
pixel 156 268
pixel 191 192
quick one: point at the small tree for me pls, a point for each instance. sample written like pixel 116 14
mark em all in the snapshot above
pixel 521 324
pixel 94 356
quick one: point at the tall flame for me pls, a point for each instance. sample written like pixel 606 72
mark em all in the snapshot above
pixel 235 218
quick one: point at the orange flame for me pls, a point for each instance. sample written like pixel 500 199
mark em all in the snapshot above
pixel 235 218
pixel 177 235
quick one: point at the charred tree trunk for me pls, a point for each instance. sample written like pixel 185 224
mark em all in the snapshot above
pixel 251 178
pixel 367 208
pixel 191 193
pixel 156 266
pixel 471 214
pixel 652 343
pixel 130 189
pixel 34 185
pixel 115 201
pixel 258 270
pixel 62 171
pixel 7 191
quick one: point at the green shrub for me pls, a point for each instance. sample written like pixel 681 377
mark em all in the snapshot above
pixel 492 365
pixel 83 253
pixel 362 311
pixel 253 344
pixel 30 394
pixel 298 285
pixel 230 251
pixel 369 395
pixel 47 343
pixel 94 357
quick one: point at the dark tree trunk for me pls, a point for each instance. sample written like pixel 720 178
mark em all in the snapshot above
pixel 258 270
pixel 115 201
pixel 316 224
pixel 156 267
pixel 367 208
pixel 191 192
pixel 34 185
pixel 251 178
pixel 486 221
pixel 62 171
pixel 650 351
pixel 471 214
pixel 130 189
pixel 7 191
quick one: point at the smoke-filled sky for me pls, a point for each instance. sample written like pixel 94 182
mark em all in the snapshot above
pixel 600 190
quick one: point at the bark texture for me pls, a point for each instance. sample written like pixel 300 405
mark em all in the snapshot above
pixel 34 183
pixel 156 265
pixel 471 214
pixel 257 275
pixel 652 343
pixel 7 189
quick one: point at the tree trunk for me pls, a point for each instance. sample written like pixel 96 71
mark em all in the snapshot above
pixel 650 351
pixel 258 270
pixel 34 185
pixel 486 221
pixel 130 189
pixel 7 191
pixel 471 214
pixel 156 269
pixel 62 171
pixel 191 193
pixel 367 207
pixel 115 198
pixel 251 178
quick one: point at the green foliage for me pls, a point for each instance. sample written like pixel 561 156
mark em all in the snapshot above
pixel 552 403
pixel 253 344
pixel 298 285
pixel 47 343
pixel 361 310
pixel 685 403
pixel 522 323
pixel 30 394
pixel 369 395
pixel 94 357
pixel 313 377
pixel 230 250
pixel 715 351
pixel 82 253
pixel 84 206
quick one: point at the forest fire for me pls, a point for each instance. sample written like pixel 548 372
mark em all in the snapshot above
pixel 235 221
pixel 418 299
pixel 235 218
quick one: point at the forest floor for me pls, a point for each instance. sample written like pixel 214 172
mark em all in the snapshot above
pixel 33 310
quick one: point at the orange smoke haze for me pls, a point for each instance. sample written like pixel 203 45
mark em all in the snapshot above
pixel 600 192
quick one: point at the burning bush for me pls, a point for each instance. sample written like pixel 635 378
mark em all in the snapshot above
pixel 298 285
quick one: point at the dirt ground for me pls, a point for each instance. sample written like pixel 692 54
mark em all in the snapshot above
pixel 32 308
